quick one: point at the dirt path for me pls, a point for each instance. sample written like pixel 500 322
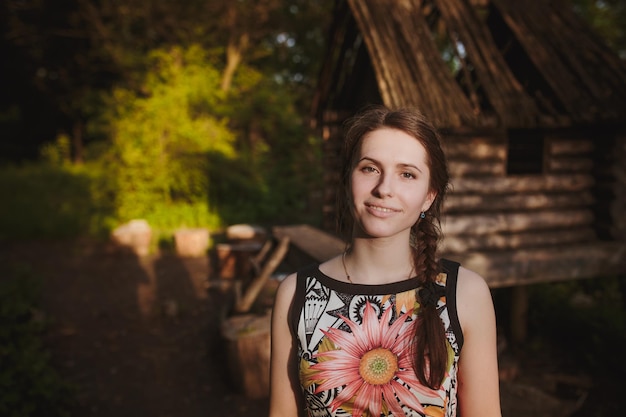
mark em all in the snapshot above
pixel 136 337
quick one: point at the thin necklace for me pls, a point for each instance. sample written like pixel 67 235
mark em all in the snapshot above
pixel 343 262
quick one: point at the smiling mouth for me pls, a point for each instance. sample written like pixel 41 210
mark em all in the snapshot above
pixel 381 209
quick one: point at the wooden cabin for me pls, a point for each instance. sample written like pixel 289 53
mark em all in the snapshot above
pixel 532 110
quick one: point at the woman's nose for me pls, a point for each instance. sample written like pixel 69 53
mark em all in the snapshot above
pixel 384 186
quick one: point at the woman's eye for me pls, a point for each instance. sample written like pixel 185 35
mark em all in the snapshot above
pixel 408 175
pixel 369 169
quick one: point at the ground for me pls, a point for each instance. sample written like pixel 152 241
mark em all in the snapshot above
pixel 135 336
pixel 139 336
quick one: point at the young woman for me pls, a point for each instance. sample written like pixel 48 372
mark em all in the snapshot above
pixel 386 328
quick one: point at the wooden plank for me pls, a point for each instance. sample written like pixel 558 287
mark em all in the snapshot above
pixel 463 203
pixel 407 63
pixel 522 184
pixel 472 168
pixel 570 147
pixel 474 149
pixel 579 70
pixel 480 224
pixel 529 266
pixel 519 314
pixel 569 164
pixel 315 243
pixel 258 283
pixel 507 97
pixel 504 241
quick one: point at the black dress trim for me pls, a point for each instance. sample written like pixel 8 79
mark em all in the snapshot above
pixel 451 268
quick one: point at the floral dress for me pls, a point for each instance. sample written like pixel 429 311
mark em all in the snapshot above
pixel 354 346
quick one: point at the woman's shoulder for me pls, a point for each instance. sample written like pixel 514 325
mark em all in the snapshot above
pixel 471 281
pixel 472 295
pixel 286 291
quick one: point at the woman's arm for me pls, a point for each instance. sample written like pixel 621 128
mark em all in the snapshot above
pixel 283 371
pixel 478 390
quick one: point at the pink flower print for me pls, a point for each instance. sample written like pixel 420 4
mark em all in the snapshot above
pixel 373 365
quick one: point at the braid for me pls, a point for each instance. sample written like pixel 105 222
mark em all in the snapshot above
pixel 431 352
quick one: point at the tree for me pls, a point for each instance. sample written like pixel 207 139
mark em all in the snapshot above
pixel 608 18
pixel 76 49
pixel 162 138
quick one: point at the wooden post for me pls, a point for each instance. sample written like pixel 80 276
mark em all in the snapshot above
pixel 519 314
pixel 247 342
pixel 245 303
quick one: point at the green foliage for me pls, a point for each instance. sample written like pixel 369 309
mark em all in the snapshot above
pixel 608 19
pixel 181 153
pixel 161 137
pixel 185 153
pixel 58 153
pixel 29 385
pixel 45 200
pixel 590 330
pixel 278 167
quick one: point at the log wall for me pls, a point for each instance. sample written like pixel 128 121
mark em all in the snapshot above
pixel 489 210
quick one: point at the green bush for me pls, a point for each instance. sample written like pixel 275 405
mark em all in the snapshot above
pixel 46 200
pixel 29 385
pixel 161 137
pixel 184 151
pixel 586 332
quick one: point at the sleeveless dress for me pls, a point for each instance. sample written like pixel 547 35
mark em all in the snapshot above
pixel 354 346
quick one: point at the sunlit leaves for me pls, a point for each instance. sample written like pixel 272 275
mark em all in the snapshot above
pixel 162 135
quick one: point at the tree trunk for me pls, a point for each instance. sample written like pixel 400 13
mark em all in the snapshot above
pixel 247 344
pixel 238 43
pixel 234 55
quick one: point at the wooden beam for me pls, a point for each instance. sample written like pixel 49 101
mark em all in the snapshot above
pixel 315 243
pixel 529 266
pixel 472 168
pixel 569 164
pixel 587 79
pixel 506 95
pixel 522 184
pixel 504 241
pixel 519 314
pixel 489 203
pixel 474 149
pixel 254 288
pixel 481 224
pixel 408 66
pixel 570 147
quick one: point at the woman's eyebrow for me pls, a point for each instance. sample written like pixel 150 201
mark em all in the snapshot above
pixel 410 166
pixel 401 165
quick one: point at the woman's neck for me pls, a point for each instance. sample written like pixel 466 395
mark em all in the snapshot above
pixel 379 261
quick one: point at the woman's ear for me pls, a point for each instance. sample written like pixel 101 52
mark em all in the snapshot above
pixel 430 197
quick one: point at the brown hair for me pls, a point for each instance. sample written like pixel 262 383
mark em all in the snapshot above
pixel 431 355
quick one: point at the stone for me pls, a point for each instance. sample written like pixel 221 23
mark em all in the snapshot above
pixel 135 235
pixel 191 243
pixel 245 232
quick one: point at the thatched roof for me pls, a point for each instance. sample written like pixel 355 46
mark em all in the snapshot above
pixel 498 63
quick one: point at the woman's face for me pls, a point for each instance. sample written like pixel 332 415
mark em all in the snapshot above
pixel 390 184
